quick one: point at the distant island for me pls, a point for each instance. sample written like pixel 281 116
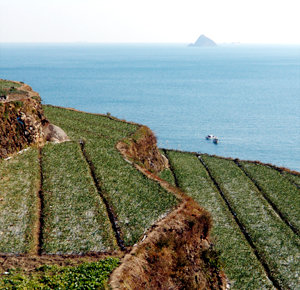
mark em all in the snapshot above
pixel 203 41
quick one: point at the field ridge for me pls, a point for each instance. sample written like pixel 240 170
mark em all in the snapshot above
pixel 40 207
pixel 171 168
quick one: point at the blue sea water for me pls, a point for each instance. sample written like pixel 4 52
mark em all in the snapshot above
pixel 248 96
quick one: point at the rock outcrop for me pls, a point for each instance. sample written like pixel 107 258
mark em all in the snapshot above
pixel 54 134
pixel 141 149
pixel 22 120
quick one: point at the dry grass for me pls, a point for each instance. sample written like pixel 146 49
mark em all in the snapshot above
pixel 141 149
pixel 28 263
pixel 175 255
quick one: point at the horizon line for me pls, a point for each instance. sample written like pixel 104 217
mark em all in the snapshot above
pixel 125 43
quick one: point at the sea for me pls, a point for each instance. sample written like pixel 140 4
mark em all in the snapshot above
pixel 246 95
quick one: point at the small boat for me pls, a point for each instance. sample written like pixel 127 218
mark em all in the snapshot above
pixel 209 137
pixel 216 140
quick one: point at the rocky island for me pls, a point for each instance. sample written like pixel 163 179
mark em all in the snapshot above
pixel 203 41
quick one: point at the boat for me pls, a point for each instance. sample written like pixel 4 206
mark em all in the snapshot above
pixel 216 140
pixel 209 137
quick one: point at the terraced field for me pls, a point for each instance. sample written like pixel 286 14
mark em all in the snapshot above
pixel 80 196
pixel 75 217
pixel 134 201
pixel 278 190
pixel 19 186
pixel 247 228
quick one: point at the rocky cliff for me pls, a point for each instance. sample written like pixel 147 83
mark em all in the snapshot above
pixel 22 121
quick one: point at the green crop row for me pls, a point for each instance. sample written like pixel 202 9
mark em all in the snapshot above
pixel 274 240
pixel 240 264
pixel 93 275
pixel 85 122
pixel 278 189
pixel 136 201
pixel 19 186
pixel 293 178
pixel 167 173
pixel 75 217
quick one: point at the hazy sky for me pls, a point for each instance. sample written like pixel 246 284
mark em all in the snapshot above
pixel 246 21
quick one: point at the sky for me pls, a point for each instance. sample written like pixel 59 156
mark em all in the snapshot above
pixel 150 21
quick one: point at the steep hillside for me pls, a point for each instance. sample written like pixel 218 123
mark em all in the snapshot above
pixel 83 198
pixel 71 213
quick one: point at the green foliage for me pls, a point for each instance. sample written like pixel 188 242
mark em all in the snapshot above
pixel 293 178
pixel 18 104
pixel 274 240
pixel 75 218
pixel 278 189
pixel 8 84
pixel 167 175
pixel 240 264
pixel 211 258
pixel 19 183
pixel 136 201
pixel 85 276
